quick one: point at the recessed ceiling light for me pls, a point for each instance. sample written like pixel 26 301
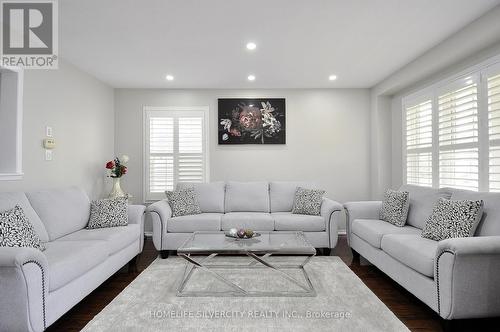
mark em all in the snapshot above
pixel 251 46
pixel 332 77
pixel 169 78
pixel 251 77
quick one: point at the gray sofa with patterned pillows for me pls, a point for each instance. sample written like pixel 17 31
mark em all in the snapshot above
pixel 457 277
pixel 37 287
pixel 260 206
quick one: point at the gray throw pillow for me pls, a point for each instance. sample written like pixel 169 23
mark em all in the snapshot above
pixel 183 202
pixel 308 201
pixel 450 219
pixel 395 207
pixel 106 213
pixel 17 231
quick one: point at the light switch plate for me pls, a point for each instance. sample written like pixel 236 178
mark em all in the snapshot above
pixel 48 131
pixel 48 155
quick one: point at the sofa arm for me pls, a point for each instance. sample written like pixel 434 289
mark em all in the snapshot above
pixel 361 210
pixel 330 211
pixel 136 215
pixel 160 213
pixel 466 274
pixel 24 284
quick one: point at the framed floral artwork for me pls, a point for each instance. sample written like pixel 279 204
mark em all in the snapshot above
pixel 252 121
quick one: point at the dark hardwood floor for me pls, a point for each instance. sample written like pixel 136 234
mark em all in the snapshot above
pixel 413 313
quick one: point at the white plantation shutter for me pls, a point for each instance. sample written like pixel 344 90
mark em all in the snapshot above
pixel 493 93
pixel 459 136
pixel 161 154
pixel 175 150
pixel 191 157
pixel 419 144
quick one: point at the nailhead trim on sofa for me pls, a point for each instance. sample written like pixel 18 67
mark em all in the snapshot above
pixel 437 277
pixel 43 290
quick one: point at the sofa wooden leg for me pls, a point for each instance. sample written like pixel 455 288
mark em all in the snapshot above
pixel 164 254
pixel 447 325
pixel 355 255
pixel 132 265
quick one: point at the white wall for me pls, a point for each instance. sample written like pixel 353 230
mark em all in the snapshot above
pixel 80 110
pixel 9 97
pixel 327 138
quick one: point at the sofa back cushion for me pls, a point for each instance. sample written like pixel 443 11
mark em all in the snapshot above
pixel 62 211
pixel 422 201
pixel 247 197
pixel 10 200
pixel 490 222
pixel 210 196
pixel 282 194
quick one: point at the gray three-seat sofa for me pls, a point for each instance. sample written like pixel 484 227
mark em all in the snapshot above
pixel 36 288
pixel 457 278
pixel 261 206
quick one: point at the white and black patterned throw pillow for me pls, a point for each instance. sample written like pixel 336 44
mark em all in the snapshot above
pixel 308 201
pixel 108 213
pixel 395 207
pixel 451 218
pixel 17 231
pixel 183 202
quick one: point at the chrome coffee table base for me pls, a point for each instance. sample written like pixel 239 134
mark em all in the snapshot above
pixel 257 262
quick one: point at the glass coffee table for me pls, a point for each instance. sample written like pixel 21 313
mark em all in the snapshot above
pixel 202 247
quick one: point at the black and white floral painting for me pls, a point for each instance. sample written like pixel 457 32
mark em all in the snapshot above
pixel 252 121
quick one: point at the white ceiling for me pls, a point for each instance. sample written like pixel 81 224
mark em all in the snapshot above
pixel 130 43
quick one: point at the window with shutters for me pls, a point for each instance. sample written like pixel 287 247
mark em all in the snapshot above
pixel 419 144
pixel 175 149
pixel 452 135
pixel 459 136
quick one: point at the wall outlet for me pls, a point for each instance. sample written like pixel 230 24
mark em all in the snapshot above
pixel 48 155
pixel 49 132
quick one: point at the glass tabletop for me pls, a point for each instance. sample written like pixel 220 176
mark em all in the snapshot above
pixel 293 243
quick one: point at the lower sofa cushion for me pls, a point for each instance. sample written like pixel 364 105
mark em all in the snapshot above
pixel 69 260
pixel 412 250
pixel 116 238
pixel 286 221
pixel 372 230
pixel 253 220
pixel 194 223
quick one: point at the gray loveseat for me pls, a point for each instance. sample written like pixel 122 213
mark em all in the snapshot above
pixel 36 288
pixel 458 278
pixel 261 206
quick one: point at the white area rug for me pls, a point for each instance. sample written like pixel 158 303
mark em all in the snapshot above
pixel 150 303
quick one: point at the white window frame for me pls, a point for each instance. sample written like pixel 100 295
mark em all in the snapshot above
pixel 147 110
pixel 478 72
